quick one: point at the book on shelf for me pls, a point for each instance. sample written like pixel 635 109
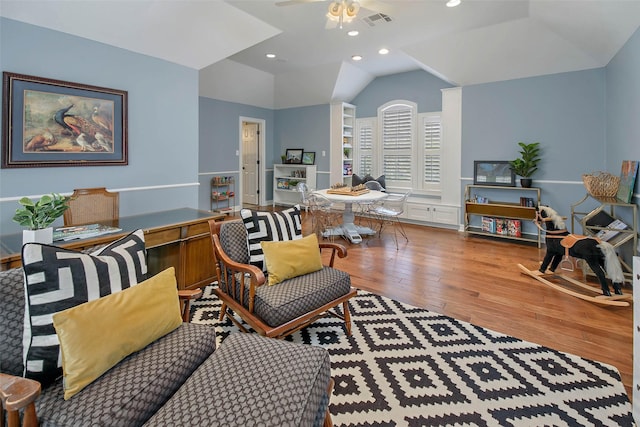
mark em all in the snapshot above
pixel 514 228
pixel 604 220
pixel 501 226
pixel 64 234
pixel 488 224
pixel 527 202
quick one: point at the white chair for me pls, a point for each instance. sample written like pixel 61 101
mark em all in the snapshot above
pixel 323 216
pixel 388 213
pixel 364 209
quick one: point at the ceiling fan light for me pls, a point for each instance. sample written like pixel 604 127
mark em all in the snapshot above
pixel 453 3
pixel 357 57
pixel 335 9
pixel 383 51
pixel 351 9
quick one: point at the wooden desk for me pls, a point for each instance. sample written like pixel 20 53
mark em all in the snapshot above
pixel 178 238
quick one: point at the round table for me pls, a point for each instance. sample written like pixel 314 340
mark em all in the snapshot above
pixel 348 228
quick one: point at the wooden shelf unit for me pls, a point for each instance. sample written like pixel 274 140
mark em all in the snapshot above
pixel 623 238
pixel 290 196
pixel 222 194
pixel 500 209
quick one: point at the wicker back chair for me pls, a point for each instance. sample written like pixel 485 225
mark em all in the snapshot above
pixel 92 205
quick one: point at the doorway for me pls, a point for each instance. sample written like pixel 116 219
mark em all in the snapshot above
pixel 252 152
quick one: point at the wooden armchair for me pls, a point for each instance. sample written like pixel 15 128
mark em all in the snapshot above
pixel 92 205
pixel 275 310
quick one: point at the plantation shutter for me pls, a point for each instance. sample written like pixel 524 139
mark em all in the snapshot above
pixel 432 145
pixel 364 147
pixel 397 134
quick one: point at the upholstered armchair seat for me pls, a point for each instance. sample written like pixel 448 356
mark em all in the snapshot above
pixel 295 297
pixel 281 309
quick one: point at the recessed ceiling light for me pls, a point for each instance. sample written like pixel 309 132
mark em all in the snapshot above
pixel 356 57
pixel 271 55
pixel 353 33
pixel 383 51
pixel 453 3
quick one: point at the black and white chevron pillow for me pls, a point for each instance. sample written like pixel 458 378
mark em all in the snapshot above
pixel 57 279
pixel 269 226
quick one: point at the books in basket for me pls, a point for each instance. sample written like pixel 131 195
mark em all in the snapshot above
pixel 64 234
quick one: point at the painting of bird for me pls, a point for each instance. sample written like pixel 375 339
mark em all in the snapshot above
pixel 39 142
pixel 103 120
pixel 82 142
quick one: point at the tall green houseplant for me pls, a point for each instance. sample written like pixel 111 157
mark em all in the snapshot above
pixel 527 164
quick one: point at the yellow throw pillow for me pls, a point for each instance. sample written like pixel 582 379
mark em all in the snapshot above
pixel 291 258
pixel 96 335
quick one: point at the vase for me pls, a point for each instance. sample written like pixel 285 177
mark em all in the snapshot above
pixel 43 235
pixel 525 182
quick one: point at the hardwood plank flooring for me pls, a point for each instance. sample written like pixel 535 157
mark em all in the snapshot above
pixel 477 280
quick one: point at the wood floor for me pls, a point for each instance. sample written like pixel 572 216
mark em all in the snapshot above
pixel 477 280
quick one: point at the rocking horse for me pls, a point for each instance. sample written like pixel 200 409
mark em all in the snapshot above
pixel 561 245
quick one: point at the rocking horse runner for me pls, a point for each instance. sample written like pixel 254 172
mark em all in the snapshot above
pixel 599 255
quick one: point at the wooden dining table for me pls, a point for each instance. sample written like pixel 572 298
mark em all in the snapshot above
pixel 348 229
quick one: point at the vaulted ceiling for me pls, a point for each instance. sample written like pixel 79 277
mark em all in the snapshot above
pixel 479 41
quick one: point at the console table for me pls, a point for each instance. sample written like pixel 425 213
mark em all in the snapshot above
pixel 178 238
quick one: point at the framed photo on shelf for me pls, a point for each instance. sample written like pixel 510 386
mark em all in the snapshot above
pixel 493 172
pixel 50 122
pixel 294 155
pixel 309 158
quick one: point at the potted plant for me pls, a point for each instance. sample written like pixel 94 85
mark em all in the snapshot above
pixel 527 164
pixel 38 216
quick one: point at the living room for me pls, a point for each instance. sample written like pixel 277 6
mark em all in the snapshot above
pixel 178 136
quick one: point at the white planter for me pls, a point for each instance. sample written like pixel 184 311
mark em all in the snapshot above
pixel 44 235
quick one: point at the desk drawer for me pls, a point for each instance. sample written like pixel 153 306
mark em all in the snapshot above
pixel 197 229
pixel 161 237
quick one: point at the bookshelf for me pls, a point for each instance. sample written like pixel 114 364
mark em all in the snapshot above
pixel 604 221
pixel 508 205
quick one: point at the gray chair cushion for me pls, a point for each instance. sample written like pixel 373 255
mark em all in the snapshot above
pixel 233 239
pixel 295 297
pixel 278 384
pixel 133 390
pixel 11 321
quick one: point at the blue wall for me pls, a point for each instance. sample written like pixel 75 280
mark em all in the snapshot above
pixel 220 138
pixel 418 86
pixel 307 128
pixel 163 121
pixel 564 112
pixel 623 105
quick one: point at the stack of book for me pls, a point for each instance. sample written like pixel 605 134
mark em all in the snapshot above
pixel 527 202
pixel 502 226
pixel 64 234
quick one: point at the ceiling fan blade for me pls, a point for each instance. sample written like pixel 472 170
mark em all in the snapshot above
pixel 294 2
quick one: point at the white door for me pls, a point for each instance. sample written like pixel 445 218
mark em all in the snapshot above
pixel 250 163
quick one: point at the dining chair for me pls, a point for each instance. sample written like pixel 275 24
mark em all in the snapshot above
pixel 92 205
pixel 323 216
pixel 388 212
pixel 364 209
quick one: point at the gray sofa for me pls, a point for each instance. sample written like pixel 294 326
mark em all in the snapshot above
pixel 182 379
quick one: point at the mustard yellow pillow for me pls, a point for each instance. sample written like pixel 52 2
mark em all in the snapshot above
pixel 291 258
pixel 96 335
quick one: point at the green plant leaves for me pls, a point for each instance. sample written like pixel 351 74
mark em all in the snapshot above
pixel 40 214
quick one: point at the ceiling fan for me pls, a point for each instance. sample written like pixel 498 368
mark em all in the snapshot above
pixel 340 11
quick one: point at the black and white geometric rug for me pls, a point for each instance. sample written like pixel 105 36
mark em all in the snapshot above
pixel 405 366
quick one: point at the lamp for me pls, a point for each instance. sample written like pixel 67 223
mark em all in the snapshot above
pixel 343 11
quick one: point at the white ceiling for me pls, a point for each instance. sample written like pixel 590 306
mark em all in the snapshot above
pixel 477 42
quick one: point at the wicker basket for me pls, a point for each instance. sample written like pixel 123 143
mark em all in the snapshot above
pixel 601 184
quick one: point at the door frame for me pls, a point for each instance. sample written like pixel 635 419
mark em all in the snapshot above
pixel 261 159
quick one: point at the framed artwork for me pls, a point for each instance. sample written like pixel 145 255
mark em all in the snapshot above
pixel 294 155
pixel 493 172
pixel 50 123
pixel 309 158
pixel 628 175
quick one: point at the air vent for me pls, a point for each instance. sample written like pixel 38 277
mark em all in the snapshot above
pixel 377 19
